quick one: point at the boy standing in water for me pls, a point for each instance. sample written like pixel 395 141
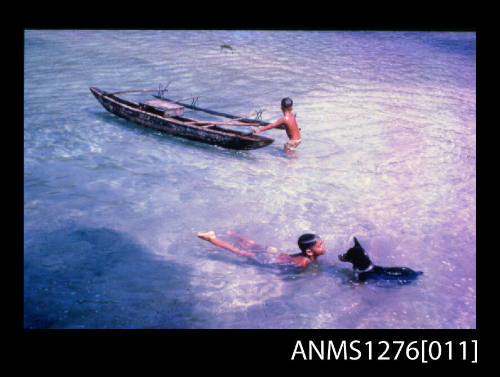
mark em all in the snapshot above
pixel 291 126
pixel 311 247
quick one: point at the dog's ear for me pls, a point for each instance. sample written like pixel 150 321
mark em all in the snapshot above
pixel 356 242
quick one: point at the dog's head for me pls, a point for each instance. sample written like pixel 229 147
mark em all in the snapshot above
pixel 357 256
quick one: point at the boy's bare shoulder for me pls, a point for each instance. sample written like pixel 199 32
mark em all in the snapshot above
pixel 290 118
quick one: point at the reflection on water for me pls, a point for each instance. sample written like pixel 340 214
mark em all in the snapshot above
pixel 388 155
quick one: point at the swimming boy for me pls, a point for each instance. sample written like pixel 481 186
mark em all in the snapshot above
pixel 291 126
pixel 311 247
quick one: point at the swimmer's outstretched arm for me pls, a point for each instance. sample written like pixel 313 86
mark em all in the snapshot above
pixel 210 237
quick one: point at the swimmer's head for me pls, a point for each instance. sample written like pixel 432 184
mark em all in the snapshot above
pixel 306 241
pixel 286 103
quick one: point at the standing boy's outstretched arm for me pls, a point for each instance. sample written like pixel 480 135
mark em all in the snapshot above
pixel 210 237
pixel 269 126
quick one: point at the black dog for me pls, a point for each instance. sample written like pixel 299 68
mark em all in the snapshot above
pixel 364 269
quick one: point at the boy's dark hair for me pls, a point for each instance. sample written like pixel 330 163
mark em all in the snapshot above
pixel 306 241
pixel 286 103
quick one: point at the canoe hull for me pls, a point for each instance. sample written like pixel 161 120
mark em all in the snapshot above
pixel 213 135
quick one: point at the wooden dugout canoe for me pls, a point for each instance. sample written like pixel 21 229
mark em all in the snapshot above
pixel 168 117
